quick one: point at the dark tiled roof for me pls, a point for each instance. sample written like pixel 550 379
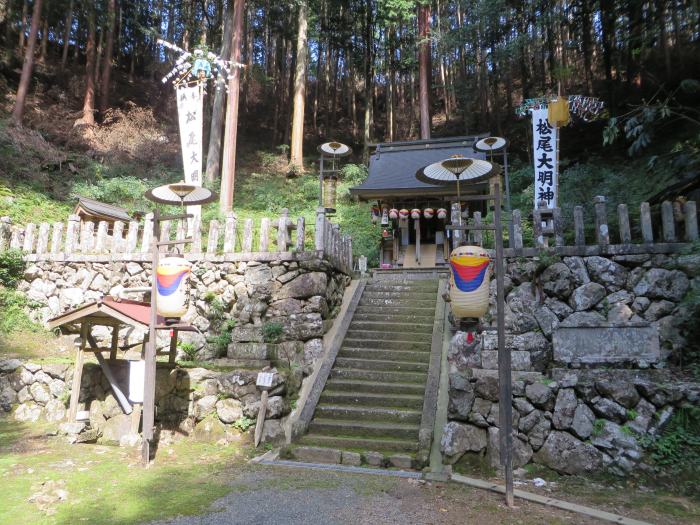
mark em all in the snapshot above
pixel 102 209
pixel 393 166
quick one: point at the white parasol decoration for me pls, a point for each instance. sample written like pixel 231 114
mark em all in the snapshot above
pixel 335 149
pixel 455 169
pixel 181 193
pixel 490 144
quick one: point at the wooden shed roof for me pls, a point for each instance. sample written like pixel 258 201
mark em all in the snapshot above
pixel 101 210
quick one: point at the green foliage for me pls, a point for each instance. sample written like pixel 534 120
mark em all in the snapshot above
pixel 272 332
pixel 12 307
pixel 125 191
pixel 632 414
pixel 12 266
pixel 676 449
pixel 243 423
pixel 598 426
pixel 627 430
pixel 189 349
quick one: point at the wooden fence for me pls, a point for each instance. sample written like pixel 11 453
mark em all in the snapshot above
pixel 268 239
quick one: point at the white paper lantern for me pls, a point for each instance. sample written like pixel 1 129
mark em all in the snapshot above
pixel 415 213
pixel 428 213
pixel 172 286
pixel 442 213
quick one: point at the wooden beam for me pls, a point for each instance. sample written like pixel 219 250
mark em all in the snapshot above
pixel 77 374
pixel 123 401
pixel 173 347
pixel 115 343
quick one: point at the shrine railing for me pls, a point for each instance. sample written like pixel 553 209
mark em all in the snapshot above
pixel 670 229
pixel 263 240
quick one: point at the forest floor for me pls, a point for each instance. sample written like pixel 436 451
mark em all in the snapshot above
pixel 44 480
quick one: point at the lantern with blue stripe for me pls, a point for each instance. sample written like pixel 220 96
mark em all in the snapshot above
pixel 469 282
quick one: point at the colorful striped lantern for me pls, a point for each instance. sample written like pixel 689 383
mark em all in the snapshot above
pixel 375 215
pixel 393 214
pixel 172 286
pixel 415 213
pixel 403 213
pixel 442 213
pixel 469 282
pixel 428 213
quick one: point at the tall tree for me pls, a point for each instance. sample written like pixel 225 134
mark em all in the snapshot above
pixel 103 102
pixel 424 67
pixel 66 35
pixel 27 67
pixel 88 117
pixel 228 172
pixel 296 158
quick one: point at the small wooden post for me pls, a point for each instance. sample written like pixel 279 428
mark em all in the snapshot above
pixel 78 373
pixel 540 240
pixel 16 238
pixel 147 233
pixel 230 232
pixel 645 218
pixel 43 238
pixel 319 241
pixel 579 232
pixel 301 232
pixel 72 234
pixel 213 240
pixel 248 236
pixel 181 229
pixel 668 225
pixel 264 234
pixel 135 418
pixel 282 234
pixel 516 241
pixel 87 240
pixel 558 227
pixel 173 347
pixel 478 234
pixel 28 244
pixel 115 343
pixel 132 237
pixel 260 422
pixel 691 221
pixel 623 220
pixel 601 221
pixel 164 235
pixel 56 237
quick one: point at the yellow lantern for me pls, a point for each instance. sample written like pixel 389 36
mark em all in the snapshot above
pixel 173 287
pixel 329 193
pixel 469 282
pixel 558 112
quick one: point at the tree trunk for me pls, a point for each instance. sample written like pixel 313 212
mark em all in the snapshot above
pixel 44 36
pixel 107 58
pixel 23 26
pixel 296 150
pixel 28 65
pixel 217 117
pixel 90 52
pixel 228 173
pixel 424 68
pixel 608 27
pixel 66 35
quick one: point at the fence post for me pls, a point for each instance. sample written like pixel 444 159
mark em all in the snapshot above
pixel 264 235
pixel 213 240
pixel 301 231
pixel 101 239
pixel 623 219
pixel 147 233
pixel 71 233
pixel 132 238
pixel 43 238
pixel 28 245
pixel 558 227
pixel 5 232
pixel 579 232
pixel 668 225
pixel 230 232
pixel 118 236
pixel 248 236
pixel 282 234
pixel 691 221
pixel 196 234
pixel 517 240
pixel 540 240
pixel 56 237
pixel 320 241
pixel 601 221
pixel 478 234
pixel 645 218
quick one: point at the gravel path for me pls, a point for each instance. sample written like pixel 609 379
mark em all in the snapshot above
pixel 276 495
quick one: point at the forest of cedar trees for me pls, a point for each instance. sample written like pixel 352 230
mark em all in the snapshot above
pixel 372 71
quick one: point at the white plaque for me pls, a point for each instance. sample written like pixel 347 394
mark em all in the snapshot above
pixel 137 374
pixel 264 379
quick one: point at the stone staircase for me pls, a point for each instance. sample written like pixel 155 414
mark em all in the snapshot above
pixel 370 409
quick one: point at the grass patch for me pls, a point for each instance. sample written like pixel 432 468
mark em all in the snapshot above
pixel 106 485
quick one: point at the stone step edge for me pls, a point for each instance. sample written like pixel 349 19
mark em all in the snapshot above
pixel 382 361
pixel 382 410
pixel 340 423
pixel 351 458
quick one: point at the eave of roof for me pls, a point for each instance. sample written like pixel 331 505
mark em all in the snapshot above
pixel 102 209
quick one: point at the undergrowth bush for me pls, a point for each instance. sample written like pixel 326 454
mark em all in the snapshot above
pixel 14 317
pixel 12 268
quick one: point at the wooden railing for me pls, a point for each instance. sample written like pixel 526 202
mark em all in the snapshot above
pixel 268 239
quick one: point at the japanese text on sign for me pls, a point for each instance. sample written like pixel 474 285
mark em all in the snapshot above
pixel 544 147
pixel 190 117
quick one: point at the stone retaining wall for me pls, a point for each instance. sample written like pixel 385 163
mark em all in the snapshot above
pixel 199 402
pixel 571 426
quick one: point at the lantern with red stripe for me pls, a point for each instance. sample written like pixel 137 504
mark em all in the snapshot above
pixel 403 213
pixel 442 213
pixel 393 214
pixel 415 213
pixel 428 213
pixel 469 282
pixel 375 214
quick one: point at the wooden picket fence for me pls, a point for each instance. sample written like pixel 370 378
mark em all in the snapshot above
pixel 266 240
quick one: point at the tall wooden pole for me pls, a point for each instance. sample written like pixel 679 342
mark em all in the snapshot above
pixel 228 169
pixel 149 390
pixel 424 68
pixel 18 111
pixel 296 160
pixel 505 394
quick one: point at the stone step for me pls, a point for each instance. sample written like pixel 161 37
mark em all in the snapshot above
pixel 380 376
pixel 373 387
pixel 425 312
pixel 515 375
pixel 410 337
pixel 393 302
pixel 385 316
pixel 402 285
pixel 356 443
pixel 385 355
pixel 373 400
pixel 391 326
pixel 519 360
pixel 383 288
pixel 409 296
pixel 363 413
pixel 380 364
pixel 350 428
pixel 379 344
